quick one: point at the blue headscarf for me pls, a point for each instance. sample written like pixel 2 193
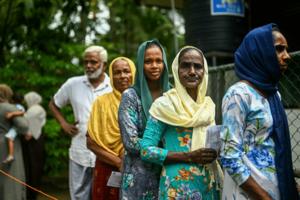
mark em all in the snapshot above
pixel 256 61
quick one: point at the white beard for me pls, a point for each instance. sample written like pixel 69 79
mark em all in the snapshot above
pixel 95 74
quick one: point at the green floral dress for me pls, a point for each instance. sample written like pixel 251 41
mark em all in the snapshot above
pixel 180 180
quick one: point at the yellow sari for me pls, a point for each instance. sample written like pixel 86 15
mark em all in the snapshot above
pixel 103 125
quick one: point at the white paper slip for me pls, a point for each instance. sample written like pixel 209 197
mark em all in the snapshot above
pixel 213 139
pixel 114 179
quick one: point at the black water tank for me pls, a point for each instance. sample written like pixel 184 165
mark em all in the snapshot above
pixel 216 35
pixel 282 13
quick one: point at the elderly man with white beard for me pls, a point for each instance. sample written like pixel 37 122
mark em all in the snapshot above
pixel 80 92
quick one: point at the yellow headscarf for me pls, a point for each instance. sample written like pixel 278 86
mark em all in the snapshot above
pixel 103 125
pixel 177 108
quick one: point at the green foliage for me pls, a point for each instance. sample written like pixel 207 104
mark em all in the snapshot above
pixel 41 39
pixel 55 146
pixel 44 73
pixel 132 24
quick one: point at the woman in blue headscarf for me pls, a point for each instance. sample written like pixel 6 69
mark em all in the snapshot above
pixel 256 152
pixel 140 179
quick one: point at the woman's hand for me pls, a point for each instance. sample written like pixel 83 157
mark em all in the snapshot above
pixel 102 154
pixel 202 156
pixel 120 165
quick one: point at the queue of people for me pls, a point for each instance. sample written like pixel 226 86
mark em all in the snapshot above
pixel 133 127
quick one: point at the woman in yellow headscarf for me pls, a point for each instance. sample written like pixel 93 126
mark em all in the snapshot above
pixel 180 119
pixel 103 136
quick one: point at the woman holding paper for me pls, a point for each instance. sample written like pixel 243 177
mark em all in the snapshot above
pixel 180 119
pixel 103 136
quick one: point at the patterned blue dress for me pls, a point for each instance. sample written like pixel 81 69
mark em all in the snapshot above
pixel 248 148
pixel 140 179
pixel 178 181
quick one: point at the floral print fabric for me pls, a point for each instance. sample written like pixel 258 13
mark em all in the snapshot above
pixel 140 179
pixel 247 144
pixel 178 180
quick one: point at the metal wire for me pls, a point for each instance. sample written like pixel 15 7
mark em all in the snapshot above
pixel 222 77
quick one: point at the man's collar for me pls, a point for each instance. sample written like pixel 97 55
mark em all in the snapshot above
pixel 87 81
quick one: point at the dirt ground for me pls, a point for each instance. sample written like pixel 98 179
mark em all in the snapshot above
pixel 56 187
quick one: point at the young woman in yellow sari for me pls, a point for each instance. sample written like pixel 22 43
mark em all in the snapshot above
pixel 103 136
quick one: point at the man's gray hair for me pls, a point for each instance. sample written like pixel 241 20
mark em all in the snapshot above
pixel 98 49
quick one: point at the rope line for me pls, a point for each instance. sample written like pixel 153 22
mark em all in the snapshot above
pixel 24 184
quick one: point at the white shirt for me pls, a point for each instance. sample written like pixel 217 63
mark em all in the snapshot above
pixel 79 92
